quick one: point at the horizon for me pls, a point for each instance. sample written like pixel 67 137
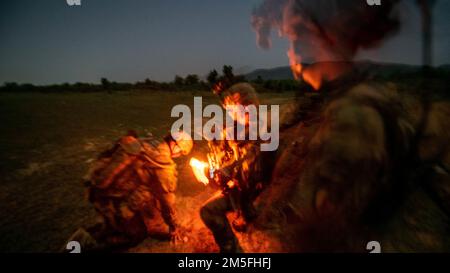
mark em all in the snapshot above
pixel 52 43
pixel 202 77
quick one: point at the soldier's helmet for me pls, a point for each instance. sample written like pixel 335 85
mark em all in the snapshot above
pixel 240 93
pixel 184 141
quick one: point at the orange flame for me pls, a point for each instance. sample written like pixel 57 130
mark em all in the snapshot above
pixel 295 63
pixel 231 184
pixel 199 168
pixel 312 77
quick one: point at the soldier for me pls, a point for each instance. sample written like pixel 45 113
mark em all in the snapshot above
pixel 359 160
pixel 129 181
pixel 240 174
pixel 362 161
pixel 374 166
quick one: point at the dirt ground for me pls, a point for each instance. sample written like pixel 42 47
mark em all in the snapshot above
pixel 47 142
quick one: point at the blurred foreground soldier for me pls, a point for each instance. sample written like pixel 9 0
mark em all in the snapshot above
pixel 361 161
pixel 130 181
pixel 374 165
pixel 239 175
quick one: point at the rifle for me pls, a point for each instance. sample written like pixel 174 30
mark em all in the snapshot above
pixel 222 167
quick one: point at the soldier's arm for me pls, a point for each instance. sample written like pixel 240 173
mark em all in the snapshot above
pixel 343 170
pixel 166 196
pixel 349 150
pixel 168 211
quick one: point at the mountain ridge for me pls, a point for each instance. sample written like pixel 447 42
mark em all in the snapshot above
pixel 383 68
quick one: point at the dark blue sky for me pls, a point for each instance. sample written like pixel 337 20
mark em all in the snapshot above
pixel 45 42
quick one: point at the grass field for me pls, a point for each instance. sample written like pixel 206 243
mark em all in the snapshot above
pixel 46 144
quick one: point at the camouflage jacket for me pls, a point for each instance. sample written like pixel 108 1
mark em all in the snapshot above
pixel 133 163
pixel 362 174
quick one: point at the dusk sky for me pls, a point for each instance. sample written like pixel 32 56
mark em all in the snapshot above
pixel 43 42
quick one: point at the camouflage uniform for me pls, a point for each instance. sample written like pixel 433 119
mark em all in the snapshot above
pixel 366 172
pixel 128 182
pixel 246 173
pixel 238 199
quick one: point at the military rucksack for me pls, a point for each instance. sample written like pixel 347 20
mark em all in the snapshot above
pixel 119 170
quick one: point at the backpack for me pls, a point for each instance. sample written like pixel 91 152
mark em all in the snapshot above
pixel 119 170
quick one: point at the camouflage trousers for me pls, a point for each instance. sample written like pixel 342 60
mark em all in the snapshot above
pixel 127 217
pixel 120 223
pixel 214 215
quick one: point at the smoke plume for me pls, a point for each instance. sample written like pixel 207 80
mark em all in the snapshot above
pixel 324 30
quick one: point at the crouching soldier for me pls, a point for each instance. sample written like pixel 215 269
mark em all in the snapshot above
pixel 129 182
pixel 239 175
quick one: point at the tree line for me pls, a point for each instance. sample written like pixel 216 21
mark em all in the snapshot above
pixel 191 82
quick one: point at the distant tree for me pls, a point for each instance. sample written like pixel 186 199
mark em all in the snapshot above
pixel 178 81
pixel 227 71
pixel 10 86
pixel 105 83
pixel 259 80
pixel 149 84
pixel 212 77
pixel 27 87
pixel 269 84
pixel 191 79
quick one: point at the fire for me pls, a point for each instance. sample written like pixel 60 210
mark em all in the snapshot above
pixel 314 78
pixel 199 168
pixel 231 184
pixel 295 62
pixel 296 69
pixel 311 76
